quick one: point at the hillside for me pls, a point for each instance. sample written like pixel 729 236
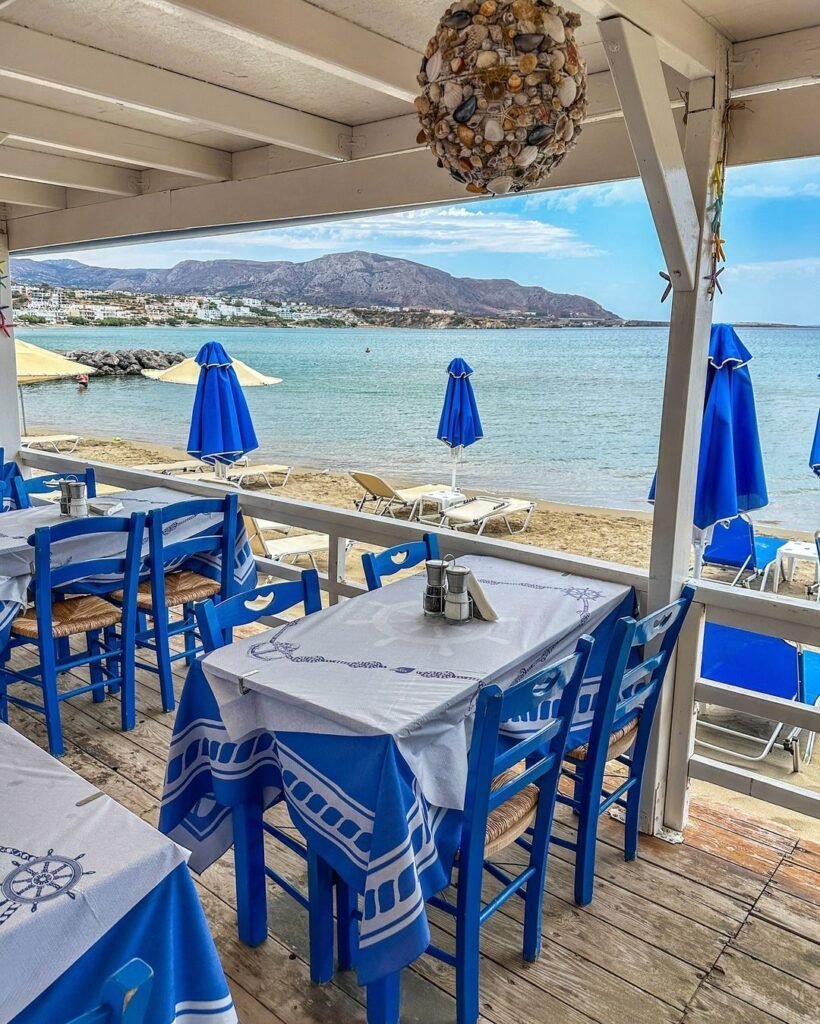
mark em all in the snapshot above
pixel 350 279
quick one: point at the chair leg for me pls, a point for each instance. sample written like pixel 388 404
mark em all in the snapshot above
pixel 51 704
pixel 95 669
pixel 249 871
pixel 127 674
pixel 63 648
pixel 534 896
pixel 189 636
pixel 320 918
pixel 588 803
pixel 384 1000
pixel 163 652
pixel 114 663
pixel 468 925
pixel 346 925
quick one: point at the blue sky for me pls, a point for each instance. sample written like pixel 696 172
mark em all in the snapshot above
pixel 597 241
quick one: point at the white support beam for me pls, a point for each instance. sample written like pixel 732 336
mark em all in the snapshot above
pixel 32 193
pixel 9 417
pixel 73 133
pixel 686 41
pixel 70 67
pixel 60 170
pixel 638 77
pixel 681 421
pixel 330 190
pixel 784 61
pixel 300 31
pixel 749 783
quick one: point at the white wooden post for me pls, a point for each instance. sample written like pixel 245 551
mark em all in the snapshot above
pixel 681 423
pixel 9 417
pixel 336 566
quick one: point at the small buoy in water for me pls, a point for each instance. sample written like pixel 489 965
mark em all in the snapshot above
pixel 367 350
pixel 118 440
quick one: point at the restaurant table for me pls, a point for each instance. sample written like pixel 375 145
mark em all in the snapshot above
pixel 85 886
pixel 17 555
pixel 361 715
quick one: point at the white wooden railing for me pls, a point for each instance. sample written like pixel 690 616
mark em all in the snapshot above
pixel 795 620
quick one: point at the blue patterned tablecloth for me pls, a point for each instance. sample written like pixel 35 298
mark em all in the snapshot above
pixel 17 555
pixel 85 886
pixel 360 717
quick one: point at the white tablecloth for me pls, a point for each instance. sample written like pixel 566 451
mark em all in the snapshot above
pixel 72 863
pixel 376 666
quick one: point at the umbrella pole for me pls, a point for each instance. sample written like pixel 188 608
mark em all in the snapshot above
pixel 454 455
pixel 22 410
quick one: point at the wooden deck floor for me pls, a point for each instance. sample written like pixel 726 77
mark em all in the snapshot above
pixel 724 929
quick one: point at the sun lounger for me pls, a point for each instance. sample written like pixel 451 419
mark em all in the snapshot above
pixel 62 444
pixel 169 468
pixel 240 473
pixel 290 548
pixel 477 512
pixel 386 499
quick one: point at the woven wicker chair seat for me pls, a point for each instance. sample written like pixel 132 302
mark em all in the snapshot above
pixel 512 819
pixel 69 617
pixel 183 587
pixel 619 742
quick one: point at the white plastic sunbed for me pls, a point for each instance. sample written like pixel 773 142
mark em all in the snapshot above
pixel 477 512
pixel 68 442
pixel 240 472
pixel 387 499
pixel 169 468
pixel 290 548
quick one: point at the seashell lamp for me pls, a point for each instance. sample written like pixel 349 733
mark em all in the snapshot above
pixel 503 92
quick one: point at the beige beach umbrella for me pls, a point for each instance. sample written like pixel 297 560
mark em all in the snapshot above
pixel 36 365
pixel 187 372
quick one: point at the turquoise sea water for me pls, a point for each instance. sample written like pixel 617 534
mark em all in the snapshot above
pixel 570 415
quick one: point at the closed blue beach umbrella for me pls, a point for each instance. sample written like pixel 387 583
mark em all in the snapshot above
pixel 459 426
pixel 731 478
pixel 814 458
pixel 221 426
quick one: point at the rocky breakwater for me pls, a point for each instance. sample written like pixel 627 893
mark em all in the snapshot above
pixel 127 362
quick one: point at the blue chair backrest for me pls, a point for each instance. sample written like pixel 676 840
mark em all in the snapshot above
pixel 632 677
pixel 125 996
pixel 750 661
pixel 216 545
pixel 8 473
pixel 393 560
pixel 491 753
pixel 23 489
pixel 733 544
pixel 216 622
pixel 117 543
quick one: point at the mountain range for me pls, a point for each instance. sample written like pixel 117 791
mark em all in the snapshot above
pixel 348 279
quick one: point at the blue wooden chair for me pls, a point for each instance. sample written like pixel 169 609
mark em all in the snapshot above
pixel 624 712
pixel 171 587
pixel 68 602
pixel 735 545
pixel 216 623
pixel 125 996
pixel 511 790
pixel 23 489
pixel 393 560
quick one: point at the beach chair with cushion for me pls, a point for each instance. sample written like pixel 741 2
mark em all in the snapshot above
pixel 169 468
pixel 735 545
pixel 289 548
pixel 71 599
pixel 243 470
pixel 763 664
pixel 477 512
pixel 386 499
pixel 62 444
pixel 47 487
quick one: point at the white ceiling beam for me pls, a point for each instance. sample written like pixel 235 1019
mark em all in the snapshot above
pixel 51 169
pixel 83 70
pixel 784 61
pixel 685 40
pixel 45 126
pixel 300 31
pixel 636 70
pixel 32 193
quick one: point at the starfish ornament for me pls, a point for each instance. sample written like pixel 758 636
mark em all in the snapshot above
pixel 6 326
pixel 668 287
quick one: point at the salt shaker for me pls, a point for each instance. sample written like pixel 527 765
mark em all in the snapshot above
pixel 457 602
pixel 436 588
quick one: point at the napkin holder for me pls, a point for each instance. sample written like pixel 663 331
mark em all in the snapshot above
pixel 105 506
pixel 482 609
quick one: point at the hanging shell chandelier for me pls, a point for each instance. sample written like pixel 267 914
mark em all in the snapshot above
pixel 503 92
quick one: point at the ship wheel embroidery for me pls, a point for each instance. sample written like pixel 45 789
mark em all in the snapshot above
pixel 44 878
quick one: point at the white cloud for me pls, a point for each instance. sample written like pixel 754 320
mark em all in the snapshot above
pixel 801 266
pixel 449 229
pixel 785 179
pixel 608 193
